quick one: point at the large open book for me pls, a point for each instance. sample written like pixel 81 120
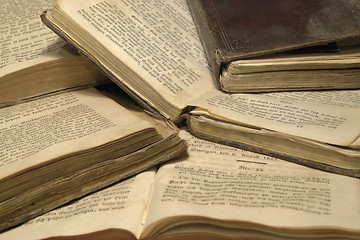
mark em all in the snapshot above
pixel 152 51
pixel 315 42
pixel 33 60
pixel 61 147
pixel 215 192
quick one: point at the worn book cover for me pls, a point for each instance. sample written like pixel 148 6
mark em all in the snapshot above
pixel 233 30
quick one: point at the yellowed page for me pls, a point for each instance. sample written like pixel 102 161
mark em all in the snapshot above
pixel 34 132
pixel 25 40
pixel 328 116
pixel 356 144
pixel 225 183
pixel 157 40
pixel 120 206
pixel 289 62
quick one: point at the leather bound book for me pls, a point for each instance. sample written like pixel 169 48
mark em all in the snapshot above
pixel 233 30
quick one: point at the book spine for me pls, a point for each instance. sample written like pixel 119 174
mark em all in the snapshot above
pixel 207 36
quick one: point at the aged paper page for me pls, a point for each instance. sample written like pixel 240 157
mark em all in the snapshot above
pixel 156 39
pixel 221 182
pixel 329 116
pixel 25 40
pixel 120 206
pixel 34 132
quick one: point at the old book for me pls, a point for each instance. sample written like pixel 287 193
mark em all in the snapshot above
pixel 33 60
pixel 153 53
pixel 214 192
pixel 61 147
pixel 241 37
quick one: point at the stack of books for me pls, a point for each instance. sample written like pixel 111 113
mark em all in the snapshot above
pixel 180 119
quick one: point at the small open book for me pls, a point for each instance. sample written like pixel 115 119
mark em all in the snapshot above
pixel 214 192
pixel 62 147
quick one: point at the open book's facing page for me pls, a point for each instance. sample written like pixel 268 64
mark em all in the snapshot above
pixel 329 116
pixel 157 40
pixel 42 130
pixel 121 206
pixel 25 39
pixel 214 185
pixel 224 186
pixel 34 61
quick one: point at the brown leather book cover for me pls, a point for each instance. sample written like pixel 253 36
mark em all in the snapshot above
pixel 236 29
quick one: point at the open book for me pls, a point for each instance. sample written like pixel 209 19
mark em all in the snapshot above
pixel 152 51
pixel 61 147
pixel 215 192
pixel 33 60
pixel 241 37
